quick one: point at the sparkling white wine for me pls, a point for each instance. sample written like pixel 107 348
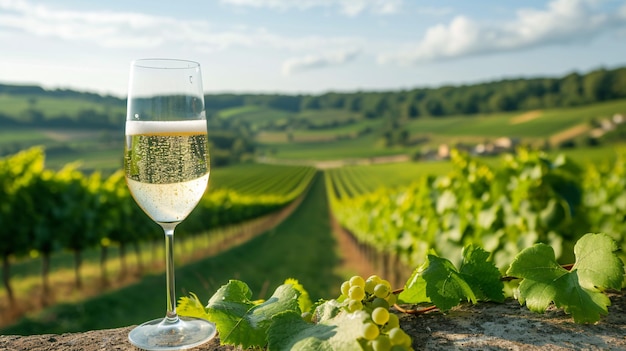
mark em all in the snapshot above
pixel 167 166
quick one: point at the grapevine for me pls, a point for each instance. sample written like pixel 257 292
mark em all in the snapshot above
pixel 366 314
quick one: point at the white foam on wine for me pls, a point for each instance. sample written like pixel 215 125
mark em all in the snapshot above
pixel 151 127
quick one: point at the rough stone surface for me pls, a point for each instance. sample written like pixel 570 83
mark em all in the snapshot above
pixel 486 326
pixel 509 326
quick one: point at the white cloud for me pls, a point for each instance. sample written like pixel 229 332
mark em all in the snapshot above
pixel 107 29
pixel 141 31
pixel 563 21
pixel 346 7
pixel 309 62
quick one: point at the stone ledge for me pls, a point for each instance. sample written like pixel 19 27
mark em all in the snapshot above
pixel 486 326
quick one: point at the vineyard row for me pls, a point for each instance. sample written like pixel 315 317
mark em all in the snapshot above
pixel 44 211
pixel 528 198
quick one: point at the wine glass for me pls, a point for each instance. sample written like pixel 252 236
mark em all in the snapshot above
pixel 166 162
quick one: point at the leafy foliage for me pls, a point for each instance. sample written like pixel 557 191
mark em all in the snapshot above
pixel 241 321
pixel 290 332
pixel 528 198
pixel 341 325
pixel 578 291
pixel 439 282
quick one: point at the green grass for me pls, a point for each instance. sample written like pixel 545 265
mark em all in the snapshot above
pixel 318 117
pixel 305 252
pixel 348 129
pixel 256 116
pixel 365 146
pixel 237 111
pixel 14 105
pixel 28 136
pixel 495 125
pixel 317 135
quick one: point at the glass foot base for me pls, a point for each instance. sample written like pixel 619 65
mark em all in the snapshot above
pixel 165 334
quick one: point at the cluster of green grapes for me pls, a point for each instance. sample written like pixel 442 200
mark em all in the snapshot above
pixel 381 332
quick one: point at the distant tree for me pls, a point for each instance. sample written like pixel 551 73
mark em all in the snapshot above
pixel 597 86
pixel 432 106
pixel 571 89
pixel 310 103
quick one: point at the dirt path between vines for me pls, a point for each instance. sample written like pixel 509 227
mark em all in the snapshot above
pixel 353 260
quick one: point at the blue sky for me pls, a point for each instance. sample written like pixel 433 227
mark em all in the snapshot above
pixel 308 46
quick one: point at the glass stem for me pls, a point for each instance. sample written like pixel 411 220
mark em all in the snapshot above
pixel 171 316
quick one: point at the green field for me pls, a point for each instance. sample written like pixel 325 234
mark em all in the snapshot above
pixel 257 116
pixel 544 124
pixel 100 150
pixel 533 127
pixel 13 105
pixel 363 147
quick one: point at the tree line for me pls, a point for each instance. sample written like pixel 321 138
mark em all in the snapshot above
pixel 498 96
pixel 570 90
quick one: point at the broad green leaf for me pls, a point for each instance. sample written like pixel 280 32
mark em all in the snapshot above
pixel 596 263
pixel 445 287
pixel 576 291
pixel 191 306
pixel 415 287
pixel 327 310
pixel 481 274
pixel 585 305
pixel 536 263
pixel 290 332
pixel 241 322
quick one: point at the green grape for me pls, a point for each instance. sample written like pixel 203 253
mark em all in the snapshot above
pixel 380 315
pixel 356 292
pixel 385 282
pixel 345 286
pixel 357 280
pixel 392 299
pixel 378 302
pixel 369 286
pixel 393 321
pixel 370 331
pixel 381 343
pixel 398 348
pixel 381 290
pixel 397 336
pixel 376 279
pixel 307 316
pixel 354 305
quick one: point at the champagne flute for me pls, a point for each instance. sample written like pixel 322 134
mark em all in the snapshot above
pixel 166 162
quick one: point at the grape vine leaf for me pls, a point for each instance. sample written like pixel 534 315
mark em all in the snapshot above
pixel 191 306
pixel 289 331
pixel 241 322
pixel 481 274
pixel 578 291
pixel 445 286
pixel 415 287
pixel 439 282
